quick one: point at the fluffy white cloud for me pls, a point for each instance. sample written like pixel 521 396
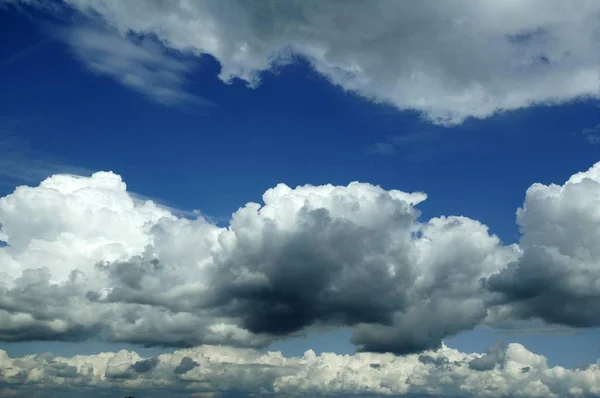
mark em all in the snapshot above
pixel 84 258
pixel 512 371
pixel 447 60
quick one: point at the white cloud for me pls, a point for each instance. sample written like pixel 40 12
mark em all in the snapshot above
pixel 84 258
pixel 138 63
pixel 513 371
pixel 448 60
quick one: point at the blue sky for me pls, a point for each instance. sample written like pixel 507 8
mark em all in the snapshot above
pixel 233 142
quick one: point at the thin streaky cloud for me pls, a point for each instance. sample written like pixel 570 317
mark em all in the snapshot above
pixel 21 164
pixel 422 145
pixel 138 63
pixel 23 53
pixel 592 134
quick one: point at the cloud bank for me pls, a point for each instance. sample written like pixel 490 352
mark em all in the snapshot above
pixel 503 371
pixel 84 258
pixel 448 61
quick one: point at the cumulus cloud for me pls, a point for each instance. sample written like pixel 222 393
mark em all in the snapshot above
pixel 82 257
pixel 448 61
pixel 445 372
pixel 557 278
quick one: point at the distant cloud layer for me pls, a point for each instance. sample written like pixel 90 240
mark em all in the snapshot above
pixel 84 258
pixel 502 372
pixel 448 60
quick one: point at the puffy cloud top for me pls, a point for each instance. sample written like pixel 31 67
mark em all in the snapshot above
pixel 86 258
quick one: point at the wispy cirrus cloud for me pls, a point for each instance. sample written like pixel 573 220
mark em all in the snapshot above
pixel 20 163
pixel 592 134
pixel 23 53
pixel 421 145
pixel 135 61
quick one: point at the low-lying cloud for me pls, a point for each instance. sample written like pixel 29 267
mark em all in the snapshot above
pixel 517 372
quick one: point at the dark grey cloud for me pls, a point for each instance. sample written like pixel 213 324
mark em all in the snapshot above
pixel 439 362
pixel 145 365
pixel 45 302
pixel 57 369
pixel 539 285
pixel 494 356
pixel 185 366
pixel 19 377
pixel 307 282
pixel 332 271
pixel 557 277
